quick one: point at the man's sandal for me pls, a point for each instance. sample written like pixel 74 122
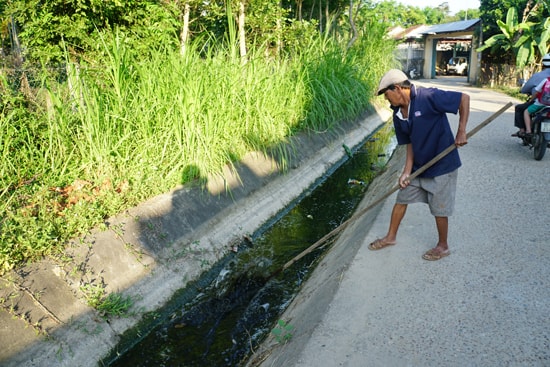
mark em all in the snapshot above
pixel 435 254
pixel 378 244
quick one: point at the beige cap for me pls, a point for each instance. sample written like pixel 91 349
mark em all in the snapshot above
pixel 392 77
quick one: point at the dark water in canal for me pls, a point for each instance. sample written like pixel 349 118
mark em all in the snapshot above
pixel 219 319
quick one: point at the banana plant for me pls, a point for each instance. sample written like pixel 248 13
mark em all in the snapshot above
pixel 522 39
pixel 533 36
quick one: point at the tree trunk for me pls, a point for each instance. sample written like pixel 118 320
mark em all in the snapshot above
pixel 327 14
pixel 353 29
pixel 298 9
pixel 242 34
pixel 321 16
pixel 529 7
pixel 15 44
pixel 280 31
pixel 184 36
pixel 312 10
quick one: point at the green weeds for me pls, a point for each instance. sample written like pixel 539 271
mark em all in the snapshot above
pixel 282 332
pixel 106 135
pixel 115 304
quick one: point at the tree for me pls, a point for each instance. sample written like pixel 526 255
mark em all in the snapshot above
pixel 397 14
pixel 319 10
pixel 184 34
pixel 467 14
pixel 242 31
pixel 493 10
pixel 523 42
pixel 353 28
pixel 47 26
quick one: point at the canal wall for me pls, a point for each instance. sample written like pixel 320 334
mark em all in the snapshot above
pixel 153 250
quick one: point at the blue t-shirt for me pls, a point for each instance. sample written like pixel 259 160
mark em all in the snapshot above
pixel 428 129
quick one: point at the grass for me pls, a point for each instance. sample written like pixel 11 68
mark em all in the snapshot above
pixel 115 305
pixel 83 145
pixel 511 91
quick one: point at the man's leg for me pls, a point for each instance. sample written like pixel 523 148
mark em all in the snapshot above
pixel 518 115
pixel 442 247
pixel 397 214
pixel 527 119
pixel 442 224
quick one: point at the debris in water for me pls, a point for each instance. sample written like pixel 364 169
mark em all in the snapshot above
pixel 348 150
pixel 234 248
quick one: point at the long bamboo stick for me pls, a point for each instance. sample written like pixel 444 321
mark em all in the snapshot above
pixel 419 171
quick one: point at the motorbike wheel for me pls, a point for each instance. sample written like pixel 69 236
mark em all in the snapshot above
pixel 539 145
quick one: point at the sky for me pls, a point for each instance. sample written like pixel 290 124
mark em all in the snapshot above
pixel 454 5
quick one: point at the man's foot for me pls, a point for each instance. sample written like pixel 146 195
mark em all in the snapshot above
pixel 518 133
pixel 379 244
pixel 436 253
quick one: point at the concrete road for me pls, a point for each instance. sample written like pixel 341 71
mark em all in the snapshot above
pixel 487 304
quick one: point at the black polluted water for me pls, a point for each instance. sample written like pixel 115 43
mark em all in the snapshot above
pixel 219 319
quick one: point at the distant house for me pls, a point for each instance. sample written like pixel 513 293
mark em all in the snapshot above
pixel 428 50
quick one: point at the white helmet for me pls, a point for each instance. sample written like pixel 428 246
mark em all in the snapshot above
pixel 546 60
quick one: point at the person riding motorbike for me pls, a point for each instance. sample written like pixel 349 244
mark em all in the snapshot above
pixel 536 106
pixel 528 89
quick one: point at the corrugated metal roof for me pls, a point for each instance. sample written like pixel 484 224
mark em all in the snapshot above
pixel 417 32
pixel 459 26
pixel 420 31
pixel 411 32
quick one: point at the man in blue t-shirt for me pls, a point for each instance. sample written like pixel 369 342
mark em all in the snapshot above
pixel 420 121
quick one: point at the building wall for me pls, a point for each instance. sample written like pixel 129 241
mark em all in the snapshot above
pixel 473 60
pixel 411 56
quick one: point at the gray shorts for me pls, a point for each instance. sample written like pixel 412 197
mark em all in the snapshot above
pixel 438 192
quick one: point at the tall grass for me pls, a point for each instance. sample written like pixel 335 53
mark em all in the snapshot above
pixel 124 130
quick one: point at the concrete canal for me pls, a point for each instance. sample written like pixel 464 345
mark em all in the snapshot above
pixel 220 318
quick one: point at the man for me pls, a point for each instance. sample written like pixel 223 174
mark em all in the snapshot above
pixel 420 121
pixel 528 88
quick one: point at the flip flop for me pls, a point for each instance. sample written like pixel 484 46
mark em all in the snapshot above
pixel 378 244
pixel 434 254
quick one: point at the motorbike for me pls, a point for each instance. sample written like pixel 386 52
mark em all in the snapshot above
pixel 413 73
pixel 540 137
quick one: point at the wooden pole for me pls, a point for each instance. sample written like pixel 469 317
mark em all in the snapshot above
pixel 419 171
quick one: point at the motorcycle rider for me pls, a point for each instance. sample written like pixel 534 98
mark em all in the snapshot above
pixel 528 88
pixel 537 105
